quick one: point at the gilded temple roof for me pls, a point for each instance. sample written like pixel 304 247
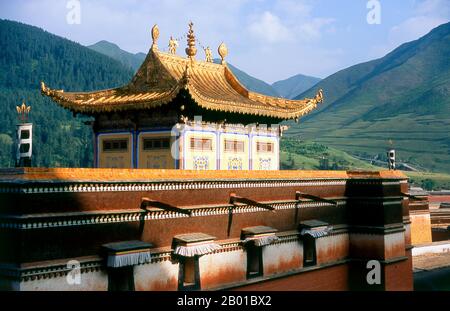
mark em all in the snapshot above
pixel 162 76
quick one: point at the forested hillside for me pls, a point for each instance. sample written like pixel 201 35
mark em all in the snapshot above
pixel 30 55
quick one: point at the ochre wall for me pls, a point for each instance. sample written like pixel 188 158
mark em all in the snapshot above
pixel 329 279
pixel 220 269
pixel 332 248
pixel 283 257
pixel 158 158
pixel 160 276
pixel 420 227
pixel 102 206
pixel 89 281
pixel 111 159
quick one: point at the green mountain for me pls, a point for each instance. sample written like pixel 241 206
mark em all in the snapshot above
pixel 400 100
pixel 134 61
pixel 30 55
pixel 295 85
pixel 252 83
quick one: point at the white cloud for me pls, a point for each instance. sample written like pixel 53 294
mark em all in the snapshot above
pixel 297 8
pixel 268 27
pixel 314 28
pixel 433 7
pixel 289 21
pixel 414 28
pixel 428 14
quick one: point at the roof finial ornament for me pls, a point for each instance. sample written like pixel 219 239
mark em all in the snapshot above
pixel 208 54
pixel 191 50
pixel 23 112
pixel 173 44
pixel 186 75
pixel 44 89
pixel 319 97
pixel 155 36
pixel 223 52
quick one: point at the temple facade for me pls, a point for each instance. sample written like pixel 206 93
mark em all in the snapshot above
pixel 180 112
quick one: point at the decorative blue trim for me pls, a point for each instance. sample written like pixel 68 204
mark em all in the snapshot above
pixel 136 151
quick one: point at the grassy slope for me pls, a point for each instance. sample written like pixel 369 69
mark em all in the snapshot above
pixel 307 155
pixel 403 97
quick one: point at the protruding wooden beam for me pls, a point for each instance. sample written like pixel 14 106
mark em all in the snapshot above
pixel 145 202
pixel 299 195
pixel 237 199
pixel 410 196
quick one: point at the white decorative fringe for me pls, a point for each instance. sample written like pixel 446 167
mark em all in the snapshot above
pixel 196 250
pixel 263 240
pixel 117 261
pixel 316 233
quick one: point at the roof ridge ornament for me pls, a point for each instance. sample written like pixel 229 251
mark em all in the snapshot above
pixel 173 44
pixel 155 36
pixel 208 55
pixel 319 97
pixel 191 50
pixel 23 112
pixel 44 88
pixel 186 75
pixel 223 52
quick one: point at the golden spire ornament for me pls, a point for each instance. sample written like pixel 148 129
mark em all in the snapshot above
pixel 191 50
pixel 23 112
pixel 223 52
pixel 155 36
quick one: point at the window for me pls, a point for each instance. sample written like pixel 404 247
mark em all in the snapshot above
pixel 24 134
pixel 201 143
pixel 234 146
pixel 24 148
pixel 121 279
pixel 189 276
pixel 115 145
pixel 254 261
pixel 156 143
pixel 309 251
pixel 264 147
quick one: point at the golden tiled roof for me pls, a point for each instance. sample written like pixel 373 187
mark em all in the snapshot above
pixel 161 77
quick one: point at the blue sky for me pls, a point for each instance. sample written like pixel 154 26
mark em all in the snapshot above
pixel 271 40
